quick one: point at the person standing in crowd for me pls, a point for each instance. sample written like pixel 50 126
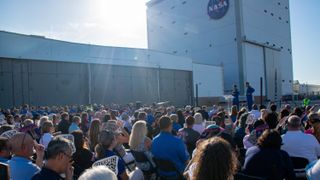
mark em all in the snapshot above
pixel 250 90
pixel 235 94
pixel 168 147
pixel 21 166
pixel 59 161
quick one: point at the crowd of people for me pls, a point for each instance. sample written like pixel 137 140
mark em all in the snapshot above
pixel 152 142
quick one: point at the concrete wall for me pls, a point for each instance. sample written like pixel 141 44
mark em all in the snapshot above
pixel 53 83
pixel 252 40
pixel 268 23
pixel 184 28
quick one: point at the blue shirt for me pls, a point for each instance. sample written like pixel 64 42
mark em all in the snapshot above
pixel 73 127
pixel 121 164
pixel 150 119
pixel 4 160
pixel 176 126
pixel 22 168
pixel 168 147
pixel 249 91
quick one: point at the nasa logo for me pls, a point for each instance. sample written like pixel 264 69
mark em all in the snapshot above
pixel 217 8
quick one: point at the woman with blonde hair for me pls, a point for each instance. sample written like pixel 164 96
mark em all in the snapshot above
pixel 138 140
pixel 141 143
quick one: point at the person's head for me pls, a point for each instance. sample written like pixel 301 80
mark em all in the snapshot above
pixel 284 112
pixel 138 133
pixel 142 116
pixel 270 139
pixel 298 111
pixel 27 122
pixel 43 119
pixel 264 113
pixel 174 118
pixel 261 107
pixel 4 147
pixel 47 127
pixel 165 124
pixel 234 110
pixel 59 154
pixel 107 141
pixel 198 118
pixel 243 120
pixel 313 118
pixel 272 120
pixel 190 121
pixel 255 107
pixel 98 173
pixel 234 86
pixel 294 123
pixel 22 145
pixel 247 84
pixel 215 160
pixel 273 107
pixel 10 119
pixel 76 120
pixel 84 116
pixel 78 139
pixel 288 107
pixel 65 116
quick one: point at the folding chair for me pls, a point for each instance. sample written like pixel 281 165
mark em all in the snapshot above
pixel 167 166
pixel 299 165
pixel 144 164
pixel 4 171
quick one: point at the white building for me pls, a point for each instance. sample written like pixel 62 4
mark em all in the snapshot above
pixel 248 38
pixel 211 44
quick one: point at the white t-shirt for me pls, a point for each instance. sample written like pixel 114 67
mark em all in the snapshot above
pixel 299 144
pixel 198 127
pixel 45 139
pixel 256 114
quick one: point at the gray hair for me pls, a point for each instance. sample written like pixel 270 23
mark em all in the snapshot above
pixel 294 121
pixel 58 145
pixel 98 173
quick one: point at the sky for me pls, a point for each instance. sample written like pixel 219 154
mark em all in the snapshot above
pixel 123 23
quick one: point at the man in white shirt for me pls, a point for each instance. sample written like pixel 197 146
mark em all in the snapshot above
pixel 255 112
pixel 298 144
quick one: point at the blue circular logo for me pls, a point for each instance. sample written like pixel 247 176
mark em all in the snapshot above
pixel 217 8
